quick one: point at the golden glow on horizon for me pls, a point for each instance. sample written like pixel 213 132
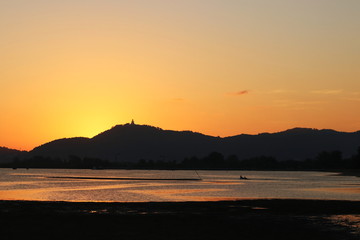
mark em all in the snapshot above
pixel 77 68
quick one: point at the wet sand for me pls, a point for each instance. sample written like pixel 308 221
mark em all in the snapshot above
pixel 354 172
pixel 242 219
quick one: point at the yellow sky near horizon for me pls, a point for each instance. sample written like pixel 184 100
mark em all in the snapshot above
pixel 77 68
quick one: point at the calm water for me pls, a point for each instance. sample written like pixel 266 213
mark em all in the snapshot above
pixel 39 184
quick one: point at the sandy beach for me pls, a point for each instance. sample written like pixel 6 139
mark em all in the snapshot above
pixel 241 219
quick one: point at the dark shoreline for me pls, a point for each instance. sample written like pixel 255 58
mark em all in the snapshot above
pixel 348 172
pixel 244 219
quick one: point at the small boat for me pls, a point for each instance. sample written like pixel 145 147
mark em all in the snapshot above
pixel 243 177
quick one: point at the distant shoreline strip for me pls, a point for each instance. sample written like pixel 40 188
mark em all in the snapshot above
pixel 137 179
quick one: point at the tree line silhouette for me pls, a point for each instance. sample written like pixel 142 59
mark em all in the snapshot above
pixel 215 160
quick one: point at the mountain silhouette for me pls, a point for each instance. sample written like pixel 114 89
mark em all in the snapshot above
pixel 7 154
pixel 131 142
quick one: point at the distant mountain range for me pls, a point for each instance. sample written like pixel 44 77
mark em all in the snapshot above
pixel 132 142
pixel 7 154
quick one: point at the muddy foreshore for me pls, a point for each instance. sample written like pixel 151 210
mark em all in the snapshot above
pixel 241 219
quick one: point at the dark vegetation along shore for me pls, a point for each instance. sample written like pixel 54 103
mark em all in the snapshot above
pixel 325 160
pixel 243 219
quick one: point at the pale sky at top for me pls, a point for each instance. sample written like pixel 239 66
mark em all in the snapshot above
pixel 76 68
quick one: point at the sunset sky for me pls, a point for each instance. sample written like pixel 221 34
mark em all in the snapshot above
pixel 220 67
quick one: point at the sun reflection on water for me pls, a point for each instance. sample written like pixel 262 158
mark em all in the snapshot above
pixel 38 184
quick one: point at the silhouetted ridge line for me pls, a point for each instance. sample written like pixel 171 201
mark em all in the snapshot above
pixel 8 154
pixel 144 143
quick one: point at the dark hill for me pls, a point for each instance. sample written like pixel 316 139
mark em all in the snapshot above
pixel 136 142
pixel 7 154
pixel 62 148
pixel 131 142
pixel 296 144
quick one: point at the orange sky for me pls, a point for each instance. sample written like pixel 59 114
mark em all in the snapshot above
pixel 76 68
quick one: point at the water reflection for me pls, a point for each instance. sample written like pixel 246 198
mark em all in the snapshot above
pixel 88 185
pixel 340 190
pixel 350 221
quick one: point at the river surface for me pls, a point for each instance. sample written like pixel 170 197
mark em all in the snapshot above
pixel 161 186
